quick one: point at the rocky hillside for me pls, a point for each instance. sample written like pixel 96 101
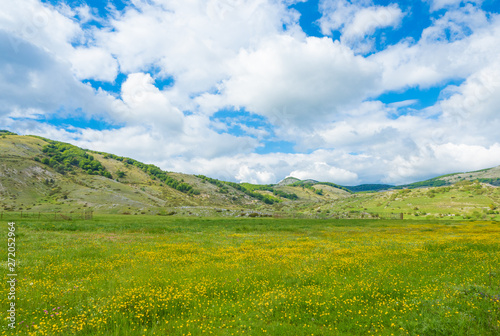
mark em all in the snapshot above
pixel 38 174
pixel 41 175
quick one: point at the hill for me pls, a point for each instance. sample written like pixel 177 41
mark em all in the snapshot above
pixel 42 175
pixel 488 175
pixel 38 174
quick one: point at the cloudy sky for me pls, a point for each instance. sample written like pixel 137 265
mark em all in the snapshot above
pixel 346 91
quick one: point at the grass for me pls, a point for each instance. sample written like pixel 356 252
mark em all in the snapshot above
pixel 151 275
pixel 463 200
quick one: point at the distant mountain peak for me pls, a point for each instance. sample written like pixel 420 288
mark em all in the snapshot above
pixel 288 180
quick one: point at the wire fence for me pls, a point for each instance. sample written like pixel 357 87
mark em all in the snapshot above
pixel 61 216
pixel 366 215
pixel 343 215
pixel 89 215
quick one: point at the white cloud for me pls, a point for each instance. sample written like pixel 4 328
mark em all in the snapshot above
pixel 314 92
pixel 146 104
pixel 270 168
pixel 337 13
pixel 33 79
pixel 322 171
pixel 257 132
pixel 440 4
pixel 441 159
pixel 357 21
pixel 55 30
pixel 254 174
pixel 41 25
pixel 455 25
pixel 94 63
pixel 432 60
pixel 295 82
pixel 367 20
pixel 190 40
pixel 472 108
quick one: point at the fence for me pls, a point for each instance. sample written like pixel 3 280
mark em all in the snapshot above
pixel 89 215
pixel 366 215
pixel 62 216
pixel 343 215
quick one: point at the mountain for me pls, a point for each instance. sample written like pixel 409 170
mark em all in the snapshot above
pixel 38 174
pixel 288 180
pixel 42 175
pixel 488 175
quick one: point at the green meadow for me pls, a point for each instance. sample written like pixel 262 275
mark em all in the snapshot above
pixel 463 200
pixel 156 275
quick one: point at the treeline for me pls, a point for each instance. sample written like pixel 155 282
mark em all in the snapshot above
pixel 424 184
pixel 270 188
pixel 281 193
pixel 492 181
pixel 369 187
pixel 223 189
pixel 156 173
pixel 5 132
pixel 64 157
pixel 309 185
pixel 250 191
pixel 261 197
pixel 334 186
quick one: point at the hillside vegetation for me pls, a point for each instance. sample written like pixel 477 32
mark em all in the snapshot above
pixel 38 174
pixel 42 175
pixel 462 200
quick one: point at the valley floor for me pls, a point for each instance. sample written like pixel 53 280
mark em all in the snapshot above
pixel 167 275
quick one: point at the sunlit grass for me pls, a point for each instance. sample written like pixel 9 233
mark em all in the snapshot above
pixel 164 276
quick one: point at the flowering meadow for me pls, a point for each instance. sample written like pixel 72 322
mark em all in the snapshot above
pixel 152 275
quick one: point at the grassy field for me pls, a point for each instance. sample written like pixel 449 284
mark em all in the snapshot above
pixel 464 200
pixel 152 275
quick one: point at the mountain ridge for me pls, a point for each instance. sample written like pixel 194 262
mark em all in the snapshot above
pixel 39 174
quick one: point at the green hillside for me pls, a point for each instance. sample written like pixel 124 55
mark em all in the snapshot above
pixel 488 175
pixel 462 200
pixel 42 175
pixel 38 174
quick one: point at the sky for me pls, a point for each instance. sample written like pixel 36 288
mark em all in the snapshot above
pixel 344 91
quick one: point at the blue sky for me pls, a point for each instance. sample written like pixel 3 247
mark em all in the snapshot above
pixel 346 91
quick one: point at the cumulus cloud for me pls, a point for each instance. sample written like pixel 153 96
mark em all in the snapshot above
pixel 367 20
pixel 251 56
pixel 146 104
pixel 270 168
pixel 440 4
pixel 190 40
pixel 456 24
pixel 441 159
pixel 357 20
pixel 32 79
pixel 41 25
pixel 324 172
pixel 93 63
pixel 293 81
pixel 434 60
pixel 472 107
